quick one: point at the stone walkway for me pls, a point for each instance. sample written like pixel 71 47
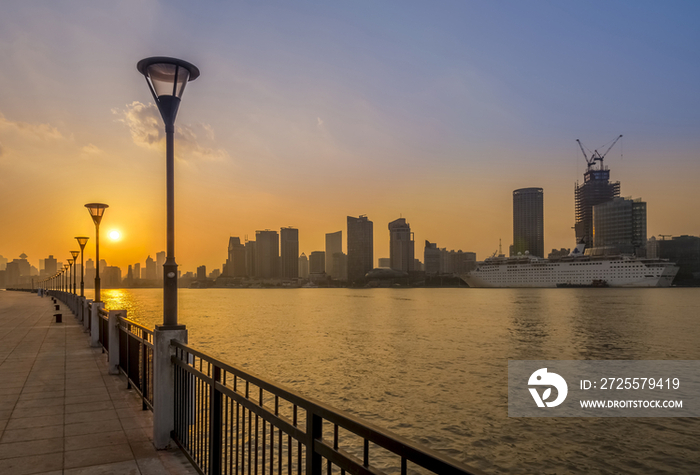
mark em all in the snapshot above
pixel 60 411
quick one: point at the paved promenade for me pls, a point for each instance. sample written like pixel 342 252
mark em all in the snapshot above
pixel 60 412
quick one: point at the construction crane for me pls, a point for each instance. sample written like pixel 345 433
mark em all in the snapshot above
pixel 595 155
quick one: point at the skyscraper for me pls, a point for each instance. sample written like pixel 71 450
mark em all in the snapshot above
pixel 289 253
pixel 596 189
pixel 334 243
pixel 150 268
pixel 620 226
pixel 401 246
pixel 160 261
pixel 303 266
pixel 360 245
pixel 267 254
pixel 50 266
pixel 528 221
pixel 317 262
pixel 251 257
pixel 236 261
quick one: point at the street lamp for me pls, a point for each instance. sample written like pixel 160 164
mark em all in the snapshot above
pixel 82 240
pixel 71 261
pixel 167 78
pixel 63 277
pixel 96 211
pixel 75 256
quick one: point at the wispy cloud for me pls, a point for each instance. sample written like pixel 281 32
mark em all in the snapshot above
pixel 38 131
pixel 194 141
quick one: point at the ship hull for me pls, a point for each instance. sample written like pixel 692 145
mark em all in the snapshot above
pixel 541 273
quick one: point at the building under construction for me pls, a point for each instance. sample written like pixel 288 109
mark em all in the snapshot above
pixel 596 189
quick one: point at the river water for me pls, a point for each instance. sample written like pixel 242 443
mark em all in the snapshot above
pixel 432 364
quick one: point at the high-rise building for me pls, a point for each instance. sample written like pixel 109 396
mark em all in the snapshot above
pixel 50 266
pixel 317 262
pixel 383 262
pixel 3 263
pixel 528 221
pixel 89 273
pixel 334 243
pixel 431 257
pixel 596 189
pixel 202 273
pixel 160 261
pixel 137 271
pixel 620 226
pixel 112 277
pixel 340 265
pixel 236 261
pixel 360 245
pixel 303 266
pixel 289 253
pixel 150 268
pixel 251 257
pixel 684 251
pixel 267 254
pixel 401 246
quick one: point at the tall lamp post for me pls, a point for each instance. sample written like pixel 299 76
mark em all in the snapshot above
pixel 82 240
pixel 96 211
pixel 64 276
pixel 71 261
pixel 75 273
pixel 167 78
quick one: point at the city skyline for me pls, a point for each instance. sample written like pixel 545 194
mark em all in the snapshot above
pixel 306 114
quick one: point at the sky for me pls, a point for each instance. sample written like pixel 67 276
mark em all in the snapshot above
pixel 308 112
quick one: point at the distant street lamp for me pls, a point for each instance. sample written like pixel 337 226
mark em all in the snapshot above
pixel 82 240
pixel 63 277
pixel 75 256
pixel 96 211
pixel 166 78
pixel 71 261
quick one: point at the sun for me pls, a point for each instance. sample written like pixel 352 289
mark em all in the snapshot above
pixel 114 235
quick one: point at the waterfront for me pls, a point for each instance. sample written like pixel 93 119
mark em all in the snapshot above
pixel 431 364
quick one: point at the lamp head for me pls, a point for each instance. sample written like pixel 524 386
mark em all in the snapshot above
pixel 82 240
pixel 166 78
pixel 96 211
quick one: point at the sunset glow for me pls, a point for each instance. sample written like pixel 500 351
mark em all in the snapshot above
pixel 304 116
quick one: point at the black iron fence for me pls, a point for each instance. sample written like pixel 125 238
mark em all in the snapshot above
pixel 230 421
pixel 136 358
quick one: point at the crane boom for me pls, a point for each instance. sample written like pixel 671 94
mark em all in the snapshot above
pixel 596 155
pixel 611 146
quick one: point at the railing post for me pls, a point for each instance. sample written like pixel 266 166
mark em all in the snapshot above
pixel 113 339
pixel 95 324
pixel 86 314
pixel 164 383
pixel 314 430
pixel 215 423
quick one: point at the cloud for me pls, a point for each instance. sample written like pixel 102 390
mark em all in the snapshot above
pixel 91 150
pixel 194 141
pixel 39 131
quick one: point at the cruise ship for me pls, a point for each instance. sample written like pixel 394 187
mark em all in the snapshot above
pixel 575 270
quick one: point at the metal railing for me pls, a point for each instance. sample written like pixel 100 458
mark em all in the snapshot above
pixel 135 349
pixel 229 421
pixel 136 358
